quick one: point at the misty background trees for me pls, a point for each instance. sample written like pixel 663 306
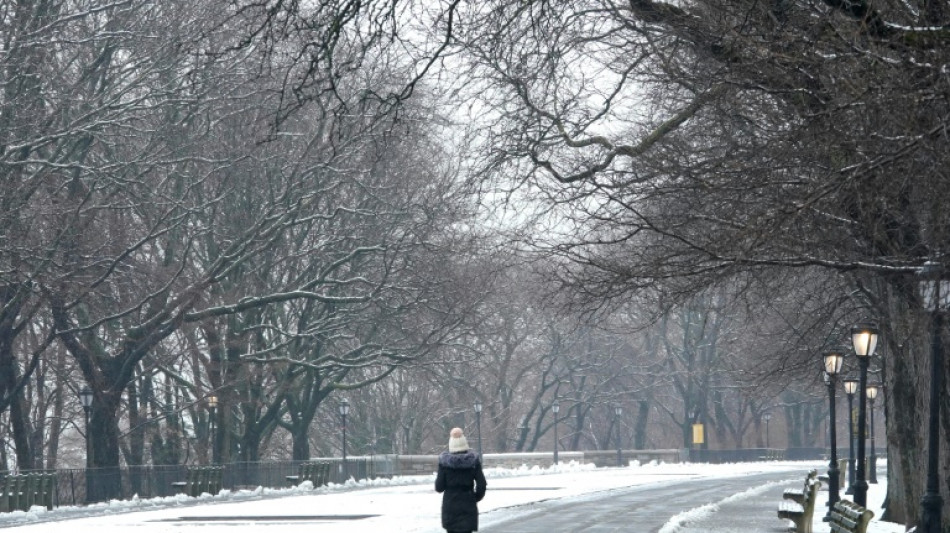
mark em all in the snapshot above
pixel 669 208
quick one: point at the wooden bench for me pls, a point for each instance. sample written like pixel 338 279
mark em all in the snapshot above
pixel 773 455
pixel 200 480
pixel 317 473
pixel 849 517
pixel 842 472
pixel 801 513
pixel 798 495
pixel 22 491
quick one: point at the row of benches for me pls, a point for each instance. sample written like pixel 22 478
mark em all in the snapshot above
pixel 20 492
pixel 207 479
pixel 773 455
pixel 799 507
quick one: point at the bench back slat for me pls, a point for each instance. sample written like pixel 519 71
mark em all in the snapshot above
pixel 20 492
pixel 849 517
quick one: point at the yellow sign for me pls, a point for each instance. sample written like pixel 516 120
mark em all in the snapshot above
pixel 697 433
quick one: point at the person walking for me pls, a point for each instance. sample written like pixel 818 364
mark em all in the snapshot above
pixel 462 484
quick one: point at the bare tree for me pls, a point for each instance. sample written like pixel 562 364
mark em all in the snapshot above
pixel 691 143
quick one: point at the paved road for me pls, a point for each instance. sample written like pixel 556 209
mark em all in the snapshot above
pixel 647 509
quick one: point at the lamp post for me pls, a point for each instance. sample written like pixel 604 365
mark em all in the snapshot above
pixel 864 340
pixel 555 407
pixel 85 398
pixel 617 411
pixel 831 362
pixel 850 387
pixel 478 424
pixel 934 292
pixel 344 409
pixel 212 406
pixel 872 466
pixel 767 417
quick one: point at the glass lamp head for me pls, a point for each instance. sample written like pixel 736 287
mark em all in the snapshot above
pixel 864 339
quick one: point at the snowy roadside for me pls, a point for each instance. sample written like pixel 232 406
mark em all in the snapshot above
pixel 403 503
pixel 41 514
pixel 877 492
pixel 763 501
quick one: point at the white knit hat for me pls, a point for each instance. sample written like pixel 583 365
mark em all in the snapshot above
pixel 457 441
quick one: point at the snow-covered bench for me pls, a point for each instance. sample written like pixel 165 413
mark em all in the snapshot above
pixel 842 472
pixel 798 495
pixel 849 517
pixel 801 513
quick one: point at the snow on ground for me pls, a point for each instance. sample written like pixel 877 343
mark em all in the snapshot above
pixel 695 518
pixel 754 509
pixel 876 494
pixel 404 504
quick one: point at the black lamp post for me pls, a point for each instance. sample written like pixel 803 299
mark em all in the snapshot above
pixel 872 466
pixel 831 362
pixel 617 411
pixel 555 407
pixel 212 406
pixel 85 397
pixel 864 339
pixel 934 291
pixel 478 424
pixel 344 409
pixel 767 417
pixel 850 387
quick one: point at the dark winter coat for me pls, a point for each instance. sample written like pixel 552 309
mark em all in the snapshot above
pixel 462 484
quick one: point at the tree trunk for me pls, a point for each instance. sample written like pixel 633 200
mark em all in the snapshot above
pixel 105 479
pixel 301 445
pixel 59 400
pixel 640 427
pixel 137 425
pixel 9 376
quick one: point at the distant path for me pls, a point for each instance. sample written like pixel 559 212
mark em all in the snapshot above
pixel 643 509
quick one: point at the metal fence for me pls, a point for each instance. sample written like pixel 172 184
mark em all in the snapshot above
pixel 81 486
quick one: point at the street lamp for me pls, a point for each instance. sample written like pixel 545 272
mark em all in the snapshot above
pixel 934 290
pixel 85 398
pixel 212 406
pixel 767 417
pixel 831 362
pixel 617 411
pixel 864 340
pixel 555 407
pixel 850 387
pixel 344 409
pixel 478 423
pixel 872 475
